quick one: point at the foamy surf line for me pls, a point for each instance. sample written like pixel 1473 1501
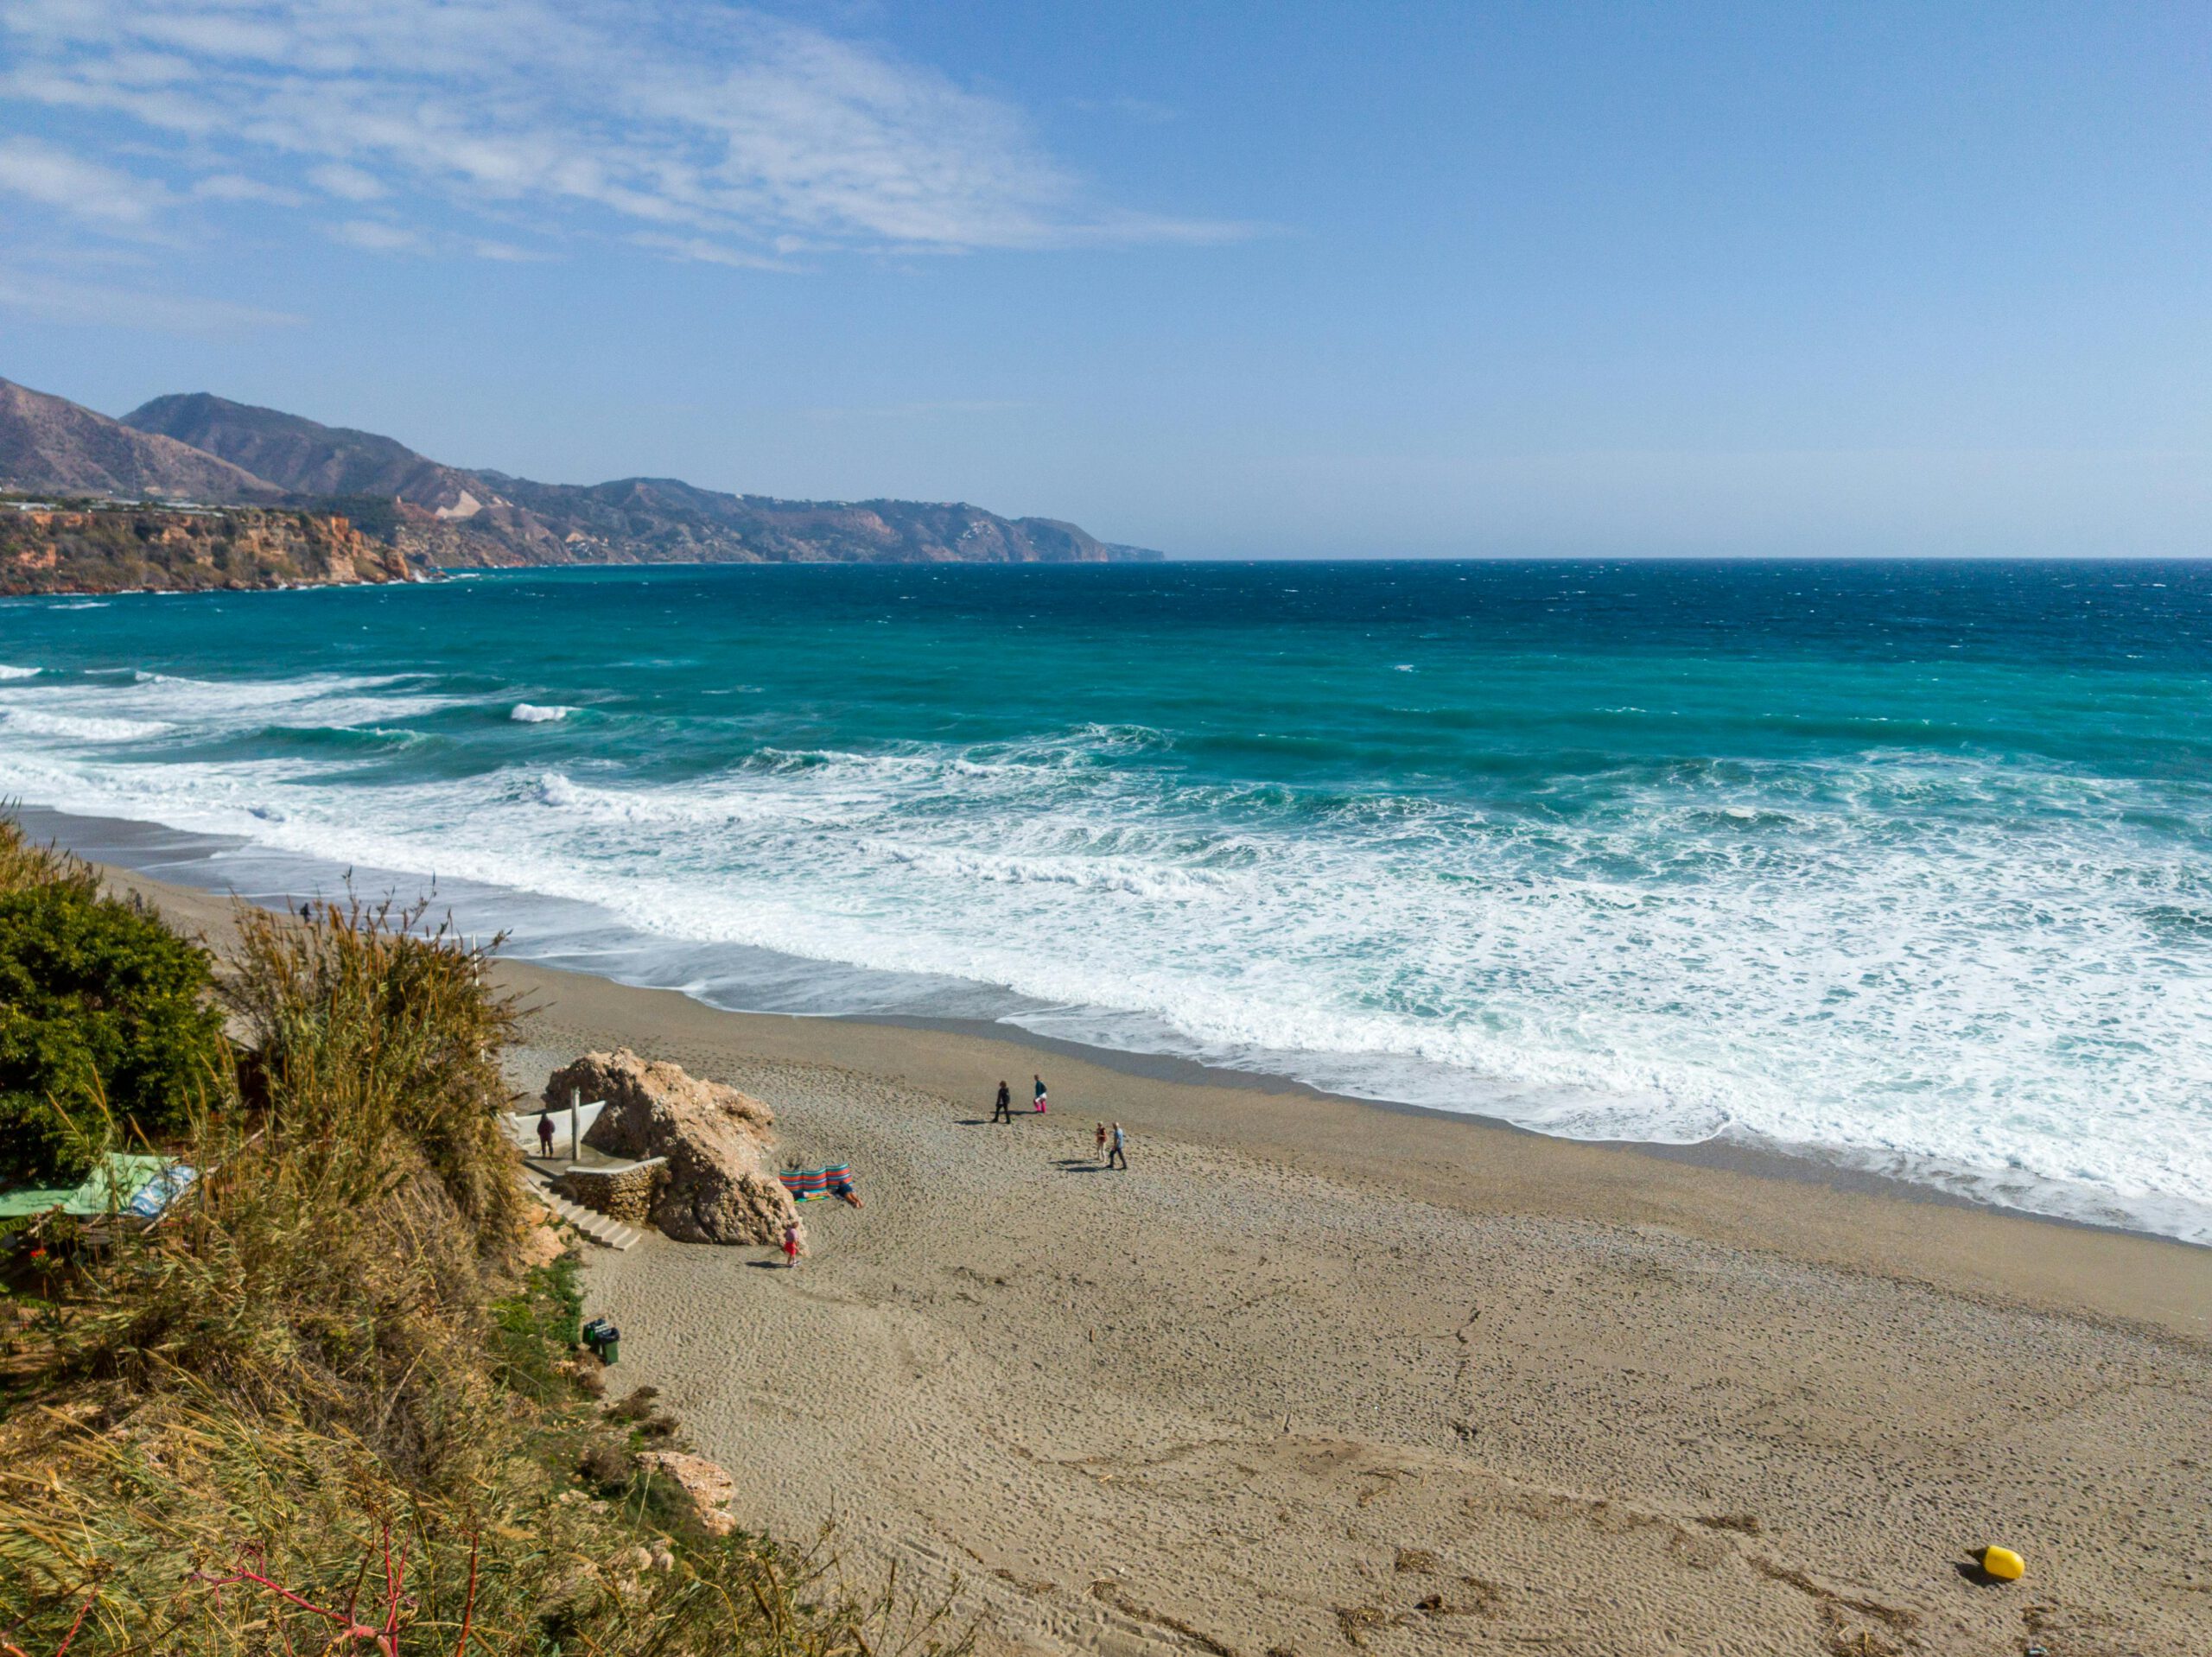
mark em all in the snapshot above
pixel 570 934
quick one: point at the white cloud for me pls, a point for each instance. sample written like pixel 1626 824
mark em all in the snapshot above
pixel 702 251
pixel 83 189
pixel 717 131
pixel 236 187
pixel 373 238
pixel 348 183
pixel 53 300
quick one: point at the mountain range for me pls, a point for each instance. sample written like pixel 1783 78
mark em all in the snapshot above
pixel 208 449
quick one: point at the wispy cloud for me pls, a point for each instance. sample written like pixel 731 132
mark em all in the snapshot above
pixel 705 252
pixel 82 189
pixel 235 187
pixel 371 237
pixel 723 135
pixel 348 183
pixel 56 300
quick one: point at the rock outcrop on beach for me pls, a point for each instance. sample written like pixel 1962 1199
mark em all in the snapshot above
pixel 721 1185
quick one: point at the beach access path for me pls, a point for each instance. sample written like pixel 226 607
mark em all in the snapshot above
pixel 1314 1376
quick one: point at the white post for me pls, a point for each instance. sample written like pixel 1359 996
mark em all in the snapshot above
pixel 575 1115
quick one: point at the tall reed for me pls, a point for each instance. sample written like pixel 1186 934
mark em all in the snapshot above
pixel 291 1417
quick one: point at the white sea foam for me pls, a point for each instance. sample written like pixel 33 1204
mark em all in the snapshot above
pixel 207 707
pixel 1837 956
pixel 531 714
pixel 7 672
pixel 32 721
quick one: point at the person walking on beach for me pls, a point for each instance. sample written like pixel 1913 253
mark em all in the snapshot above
pixel 1121 1156
pixel 545 1133
pixel 791 1245
pixel 1040 1093
pixel 1101 1137
pixel 1003 1111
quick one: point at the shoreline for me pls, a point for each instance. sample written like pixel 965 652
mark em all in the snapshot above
pixel 1313 1374
pixel 177 850
pixel 1739 1196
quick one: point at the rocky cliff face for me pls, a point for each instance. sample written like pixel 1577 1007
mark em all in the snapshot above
pixel 109 549
pixel 721 1185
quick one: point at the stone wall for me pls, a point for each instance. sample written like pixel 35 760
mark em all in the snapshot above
pixel 624 1193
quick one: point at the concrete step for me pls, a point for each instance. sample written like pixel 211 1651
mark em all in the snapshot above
pixel 603 1229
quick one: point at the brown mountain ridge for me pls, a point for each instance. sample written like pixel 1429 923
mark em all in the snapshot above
pixel 201 449
pixel 49 445
pixel 453 516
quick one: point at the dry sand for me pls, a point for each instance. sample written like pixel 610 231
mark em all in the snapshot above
pixel 1314 1376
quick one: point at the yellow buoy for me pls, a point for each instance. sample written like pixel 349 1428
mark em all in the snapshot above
pixel 2003 1564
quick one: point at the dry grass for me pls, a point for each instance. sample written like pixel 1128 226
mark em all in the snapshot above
pixel 24 864
pixel 319 1411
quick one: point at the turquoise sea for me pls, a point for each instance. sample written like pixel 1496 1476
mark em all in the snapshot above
pixel 1902 867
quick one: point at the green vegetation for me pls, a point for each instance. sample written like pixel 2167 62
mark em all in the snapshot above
pixel 102 1008
pixel 318 1408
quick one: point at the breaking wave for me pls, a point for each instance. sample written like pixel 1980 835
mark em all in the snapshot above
pixel 1604 897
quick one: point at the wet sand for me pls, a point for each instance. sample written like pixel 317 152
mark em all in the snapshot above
pixel 1315 1377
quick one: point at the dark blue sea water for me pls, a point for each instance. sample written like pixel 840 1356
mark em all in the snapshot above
pixel 1908 865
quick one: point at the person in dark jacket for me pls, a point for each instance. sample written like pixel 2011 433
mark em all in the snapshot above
pixel 1003 1111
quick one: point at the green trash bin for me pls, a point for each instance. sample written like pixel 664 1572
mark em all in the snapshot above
pixel 603 1339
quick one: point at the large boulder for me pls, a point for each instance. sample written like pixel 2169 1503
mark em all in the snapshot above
pixel 721 1183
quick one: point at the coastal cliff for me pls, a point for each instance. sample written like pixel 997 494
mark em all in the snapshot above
pixel 98 547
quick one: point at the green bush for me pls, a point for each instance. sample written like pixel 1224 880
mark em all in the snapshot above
pixel 100 1004
pixel 537 1326
pixel 322 1377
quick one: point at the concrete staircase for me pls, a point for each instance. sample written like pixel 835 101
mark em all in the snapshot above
pixel 606 1232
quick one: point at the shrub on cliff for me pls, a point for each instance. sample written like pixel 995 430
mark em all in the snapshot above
pixel 101 1006
pixel 318 1408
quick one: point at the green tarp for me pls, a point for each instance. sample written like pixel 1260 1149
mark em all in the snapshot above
pixel 120 1179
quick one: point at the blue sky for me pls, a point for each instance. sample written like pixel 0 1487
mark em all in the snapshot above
pixel 1265 280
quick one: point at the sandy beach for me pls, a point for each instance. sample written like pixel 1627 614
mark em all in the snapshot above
pixel 1314 1376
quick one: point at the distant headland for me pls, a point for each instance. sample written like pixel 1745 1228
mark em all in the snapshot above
pixel 101 499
